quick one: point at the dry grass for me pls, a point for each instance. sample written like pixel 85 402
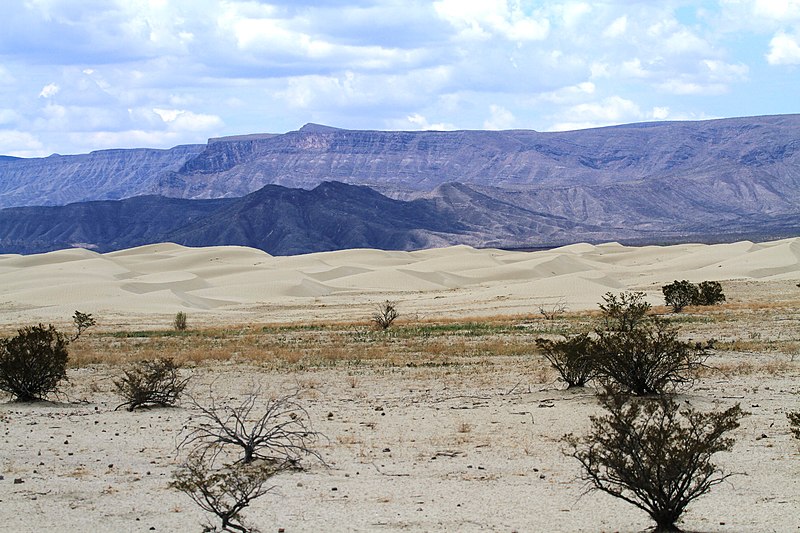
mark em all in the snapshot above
pixel 771 327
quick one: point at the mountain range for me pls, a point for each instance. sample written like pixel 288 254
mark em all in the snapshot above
pixel 322 188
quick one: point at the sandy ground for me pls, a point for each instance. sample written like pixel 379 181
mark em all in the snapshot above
pixel 459 447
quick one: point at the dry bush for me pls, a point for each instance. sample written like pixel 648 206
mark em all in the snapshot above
pixel 572 357
pixel 154 382
pixel 234 451
pixel 385 315
pixel 224 492
pixel 281 433
pixel 33 362
pixel 653 455
pixel 553 311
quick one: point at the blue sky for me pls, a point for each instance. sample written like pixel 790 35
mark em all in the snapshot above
pixel 82 75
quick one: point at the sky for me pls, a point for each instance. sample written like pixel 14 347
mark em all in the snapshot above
pixel 83 75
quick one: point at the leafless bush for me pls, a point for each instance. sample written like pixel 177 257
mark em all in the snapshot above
pixel 234 451
pixel 553 311
pixel 653 455
pixel 153 382
pixel 224 492
pixel 572 357
pixel 385 315
pixel 281 433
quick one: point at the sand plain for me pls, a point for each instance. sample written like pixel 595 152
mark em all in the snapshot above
pixel 459 432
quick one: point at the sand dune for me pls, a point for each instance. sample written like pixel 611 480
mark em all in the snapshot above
pixel 235 283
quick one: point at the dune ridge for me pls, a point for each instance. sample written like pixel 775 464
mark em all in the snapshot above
pixel 231 283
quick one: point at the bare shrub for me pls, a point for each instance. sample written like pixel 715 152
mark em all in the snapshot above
pixel 653 455
pixel 553 311
pixel 280 433
pixel 234 451
pixel 179 323
pixel 224 492
pixel 572 357
pixel 33 362
pixel 794 423
pixel 385 315
pixel 153 382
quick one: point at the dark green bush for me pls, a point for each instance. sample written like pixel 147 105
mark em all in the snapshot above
pixel 794 423
pixel 33 362
pixel 571 357
pixel 709 293
pixel 652 455
pixel 679 294
pixel 624 312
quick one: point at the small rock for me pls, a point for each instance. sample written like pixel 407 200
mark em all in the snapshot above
pixel 18 480
pixel 386 450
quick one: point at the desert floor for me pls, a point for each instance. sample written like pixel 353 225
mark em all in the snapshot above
pixel 450 421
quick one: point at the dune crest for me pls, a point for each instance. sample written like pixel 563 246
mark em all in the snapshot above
pixel 235 283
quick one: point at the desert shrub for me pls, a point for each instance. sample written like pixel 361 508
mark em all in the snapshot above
pixel 385 315
pixel 571 357
pixel 280 433
pixel 709 293
pixel 679 294
pixel 794 423
pixel 224 492
pixel 179 323
pixel 649 359
pixel 234 451
pixel 33 362
pixel 640 353
pixel 623 312
pixel 82 321
pixel 153 382
pixel 653 455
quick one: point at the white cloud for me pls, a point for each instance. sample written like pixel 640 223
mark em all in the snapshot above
pixel 611 110
pixel 616 28
pixel 417 121
pixel 182 120
pixel 20 144
pixel 660 113
pixel 500 118
pixel 568 94
pixel 49 90
pixel 9 116
pixel 783 50
pixel 480 19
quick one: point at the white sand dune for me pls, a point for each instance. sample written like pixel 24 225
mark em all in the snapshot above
pixel 235 283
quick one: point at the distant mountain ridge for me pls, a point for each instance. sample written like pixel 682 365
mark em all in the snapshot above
pixel 651 182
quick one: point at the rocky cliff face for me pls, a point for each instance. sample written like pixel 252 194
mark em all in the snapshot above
pixel 106 174
pixel 658 182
